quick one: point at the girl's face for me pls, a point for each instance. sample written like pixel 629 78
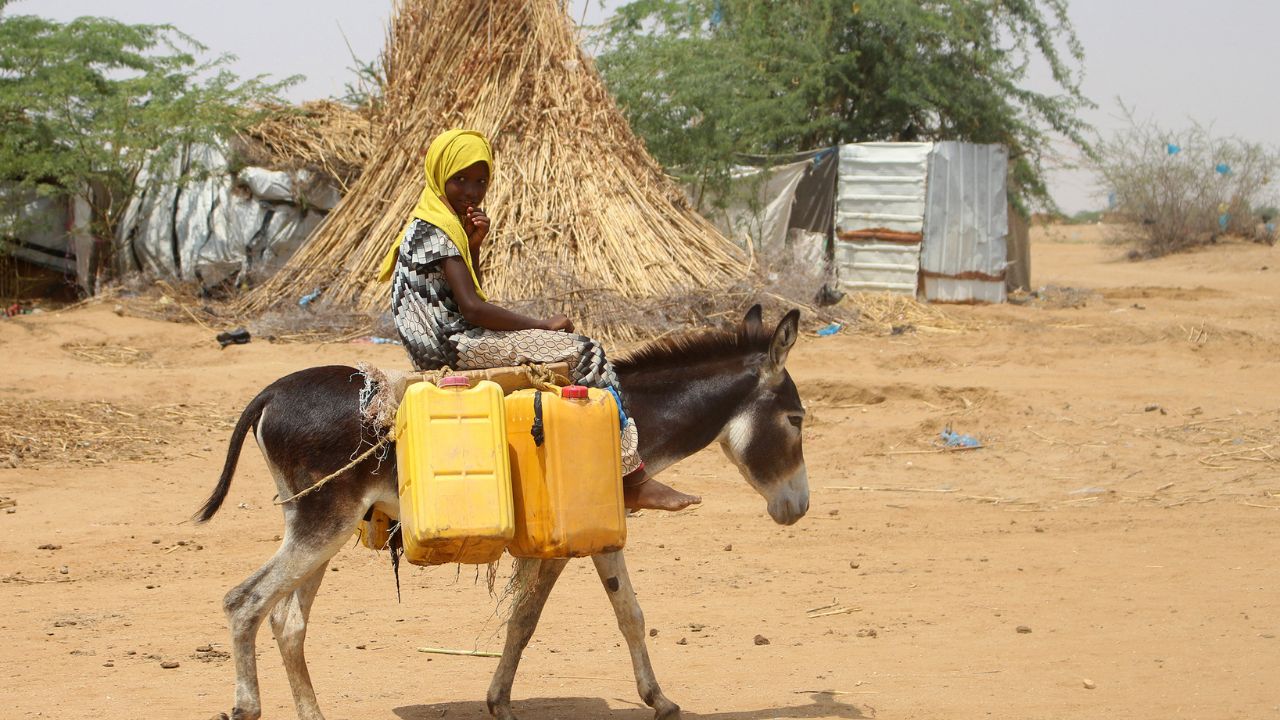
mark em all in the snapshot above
pixel 466 188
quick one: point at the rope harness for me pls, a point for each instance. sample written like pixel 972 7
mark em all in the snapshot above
pixel 381 412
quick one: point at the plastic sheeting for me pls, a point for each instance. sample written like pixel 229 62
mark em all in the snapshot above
pixel 814 208
pixel 223 227
pixel 35 229
pixel 964 254
pixel 879 215
pixel 759 207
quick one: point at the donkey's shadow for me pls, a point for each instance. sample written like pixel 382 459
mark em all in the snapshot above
pixel 822 705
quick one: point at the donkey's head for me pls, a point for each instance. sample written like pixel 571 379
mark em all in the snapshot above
pixel 762 436
pixel 689 391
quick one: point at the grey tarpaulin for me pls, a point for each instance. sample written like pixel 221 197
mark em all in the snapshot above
pixel 222 226
pixel 782 207
pixel 814 208
pixel 35 229
pixel 757 207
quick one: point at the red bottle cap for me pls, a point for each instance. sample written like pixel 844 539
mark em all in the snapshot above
pixel 454 381
pixel 574 392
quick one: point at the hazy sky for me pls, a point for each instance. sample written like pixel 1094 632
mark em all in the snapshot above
pixel 1171 60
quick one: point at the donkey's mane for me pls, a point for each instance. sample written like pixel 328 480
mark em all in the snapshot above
pixel 690 348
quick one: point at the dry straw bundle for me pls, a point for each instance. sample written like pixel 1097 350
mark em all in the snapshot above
pixel 325 135
pixel 575 192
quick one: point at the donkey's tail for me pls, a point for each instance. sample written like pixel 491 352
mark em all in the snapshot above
pixel 247 422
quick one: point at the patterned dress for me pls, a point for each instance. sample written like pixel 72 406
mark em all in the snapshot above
pixel 436 334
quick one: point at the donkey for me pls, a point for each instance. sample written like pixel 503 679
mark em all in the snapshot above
pixel 684 393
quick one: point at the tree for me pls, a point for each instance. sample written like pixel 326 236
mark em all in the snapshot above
pixel 705 80
pixel 85 104
pixel 1185 188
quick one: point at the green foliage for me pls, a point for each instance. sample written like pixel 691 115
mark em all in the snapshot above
pixel 368 85
pixel 84 104
pixel 704 80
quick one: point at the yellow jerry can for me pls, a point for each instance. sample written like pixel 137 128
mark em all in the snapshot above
pixel 375 532
pixel 455 481
pixel 568 487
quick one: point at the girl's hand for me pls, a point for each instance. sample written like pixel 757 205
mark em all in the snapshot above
pixel 558 323
pixel 476 224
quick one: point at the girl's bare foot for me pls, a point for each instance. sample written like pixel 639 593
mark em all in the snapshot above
pixel 641 492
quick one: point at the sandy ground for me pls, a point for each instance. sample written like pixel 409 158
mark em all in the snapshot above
pixel 1111 552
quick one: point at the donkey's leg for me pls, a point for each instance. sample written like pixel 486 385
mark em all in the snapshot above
pixel 613 573
pixel 289 623
pixel 526 608
pixel 247 605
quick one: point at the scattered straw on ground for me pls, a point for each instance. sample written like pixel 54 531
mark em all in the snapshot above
pixel 109 355
pixel 889 313
pixel 96 433
pixel 1229 442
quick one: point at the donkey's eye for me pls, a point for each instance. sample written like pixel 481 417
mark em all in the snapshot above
pixel 797 420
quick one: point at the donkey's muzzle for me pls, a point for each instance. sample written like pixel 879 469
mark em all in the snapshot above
pixel 791 500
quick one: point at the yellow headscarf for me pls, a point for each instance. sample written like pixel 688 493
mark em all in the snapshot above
pixel 449 152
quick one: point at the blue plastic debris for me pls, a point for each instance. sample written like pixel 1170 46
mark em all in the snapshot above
pixel 952 439
pixel 1223 169
pixel 1172 149
pixel 306 300
pixel 375 340
pixel 831 329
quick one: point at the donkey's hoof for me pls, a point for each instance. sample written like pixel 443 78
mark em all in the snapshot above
pixel 500 710
pixel 240 714
pixel 666 710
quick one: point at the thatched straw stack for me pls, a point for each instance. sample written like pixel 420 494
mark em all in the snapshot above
pixel 327 136
pixel 580 210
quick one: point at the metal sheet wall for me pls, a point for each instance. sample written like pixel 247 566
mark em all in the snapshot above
pixel 880 209
pixel 964 254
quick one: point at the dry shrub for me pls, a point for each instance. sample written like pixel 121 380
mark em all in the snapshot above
pixel 138 296
pixel 318 323
pixel 1169 184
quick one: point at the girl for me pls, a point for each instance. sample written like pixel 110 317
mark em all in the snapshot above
pixel 444 318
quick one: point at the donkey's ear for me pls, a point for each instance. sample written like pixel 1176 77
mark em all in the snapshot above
pixel 784 337
pixel 751 323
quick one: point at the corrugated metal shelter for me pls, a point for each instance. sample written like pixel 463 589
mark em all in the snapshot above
pixel 927 219
pixel 879 215
pixel 964 253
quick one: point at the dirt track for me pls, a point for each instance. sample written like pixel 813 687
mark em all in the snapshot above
pixel 1121 511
